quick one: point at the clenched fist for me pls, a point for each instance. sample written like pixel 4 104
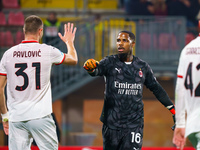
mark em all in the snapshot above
pixel 90 65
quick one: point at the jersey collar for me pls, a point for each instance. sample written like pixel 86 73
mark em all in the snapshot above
pixel 31 41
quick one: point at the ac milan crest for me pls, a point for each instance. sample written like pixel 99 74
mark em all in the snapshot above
pixel 140 73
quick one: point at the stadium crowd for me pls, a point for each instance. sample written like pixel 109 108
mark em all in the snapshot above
pixel 186 8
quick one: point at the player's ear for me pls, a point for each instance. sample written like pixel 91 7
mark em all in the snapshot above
pixel 41 32
pixel 133 43
pixel 23 30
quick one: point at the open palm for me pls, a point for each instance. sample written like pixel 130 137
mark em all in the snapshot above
pixel 69 33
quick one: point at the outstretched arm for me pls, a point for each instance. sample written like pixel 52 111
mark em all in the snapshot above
pixel 152 84
pixel 71 57
pixel 3 108
pixel 163 97
pixel 159 92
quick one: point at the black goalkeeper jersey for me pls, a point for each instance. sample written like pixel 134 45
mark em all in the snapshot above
pixel 123 105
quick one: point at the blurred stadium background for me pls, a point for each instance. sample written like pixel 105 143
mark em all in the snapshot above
pixel 159 40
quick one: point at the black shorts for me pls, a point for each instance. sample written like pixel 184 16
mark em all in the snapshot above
pixel 123 139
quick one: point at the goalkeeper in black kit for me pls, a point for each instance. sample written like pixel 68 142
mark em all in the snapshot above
pixel 125 75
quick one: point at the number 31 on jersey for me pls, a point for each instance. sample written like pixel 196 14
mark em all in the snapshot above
pixel 20 72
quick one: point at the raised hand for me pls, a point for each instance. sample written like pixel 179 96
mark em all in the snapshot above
pixel 69 33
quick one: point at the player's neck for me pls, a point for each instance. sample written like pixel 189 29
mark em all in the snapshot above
pixel 129 59
pixel 31 38
pixel 125 57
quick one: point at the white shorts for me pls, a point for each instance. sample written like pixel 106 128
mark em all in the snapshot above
pixel 42 130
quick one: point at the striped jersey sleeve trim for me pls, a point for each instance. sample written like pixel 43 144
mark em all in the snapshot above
pixel 61 61
pixel 173 111
pixel 179 76
pixel 3 74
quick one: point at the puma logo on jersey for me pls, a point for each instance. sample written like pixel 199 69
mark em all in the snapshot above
pixel 135 148
pixel 118 70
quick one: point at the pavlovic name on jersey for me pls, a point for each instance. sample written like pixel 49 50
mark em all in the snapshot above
pixel 27 53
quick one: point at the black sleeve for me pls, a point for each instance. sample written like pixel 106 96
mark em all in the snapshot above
pixel 152 84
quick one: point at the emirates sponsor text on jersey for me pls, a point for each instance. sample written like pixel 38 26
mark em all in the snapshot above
pixel 127 88
pixel 27 53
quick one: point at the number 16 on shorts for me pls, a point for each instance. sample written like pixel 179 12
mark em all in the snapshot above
pixel 136 137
